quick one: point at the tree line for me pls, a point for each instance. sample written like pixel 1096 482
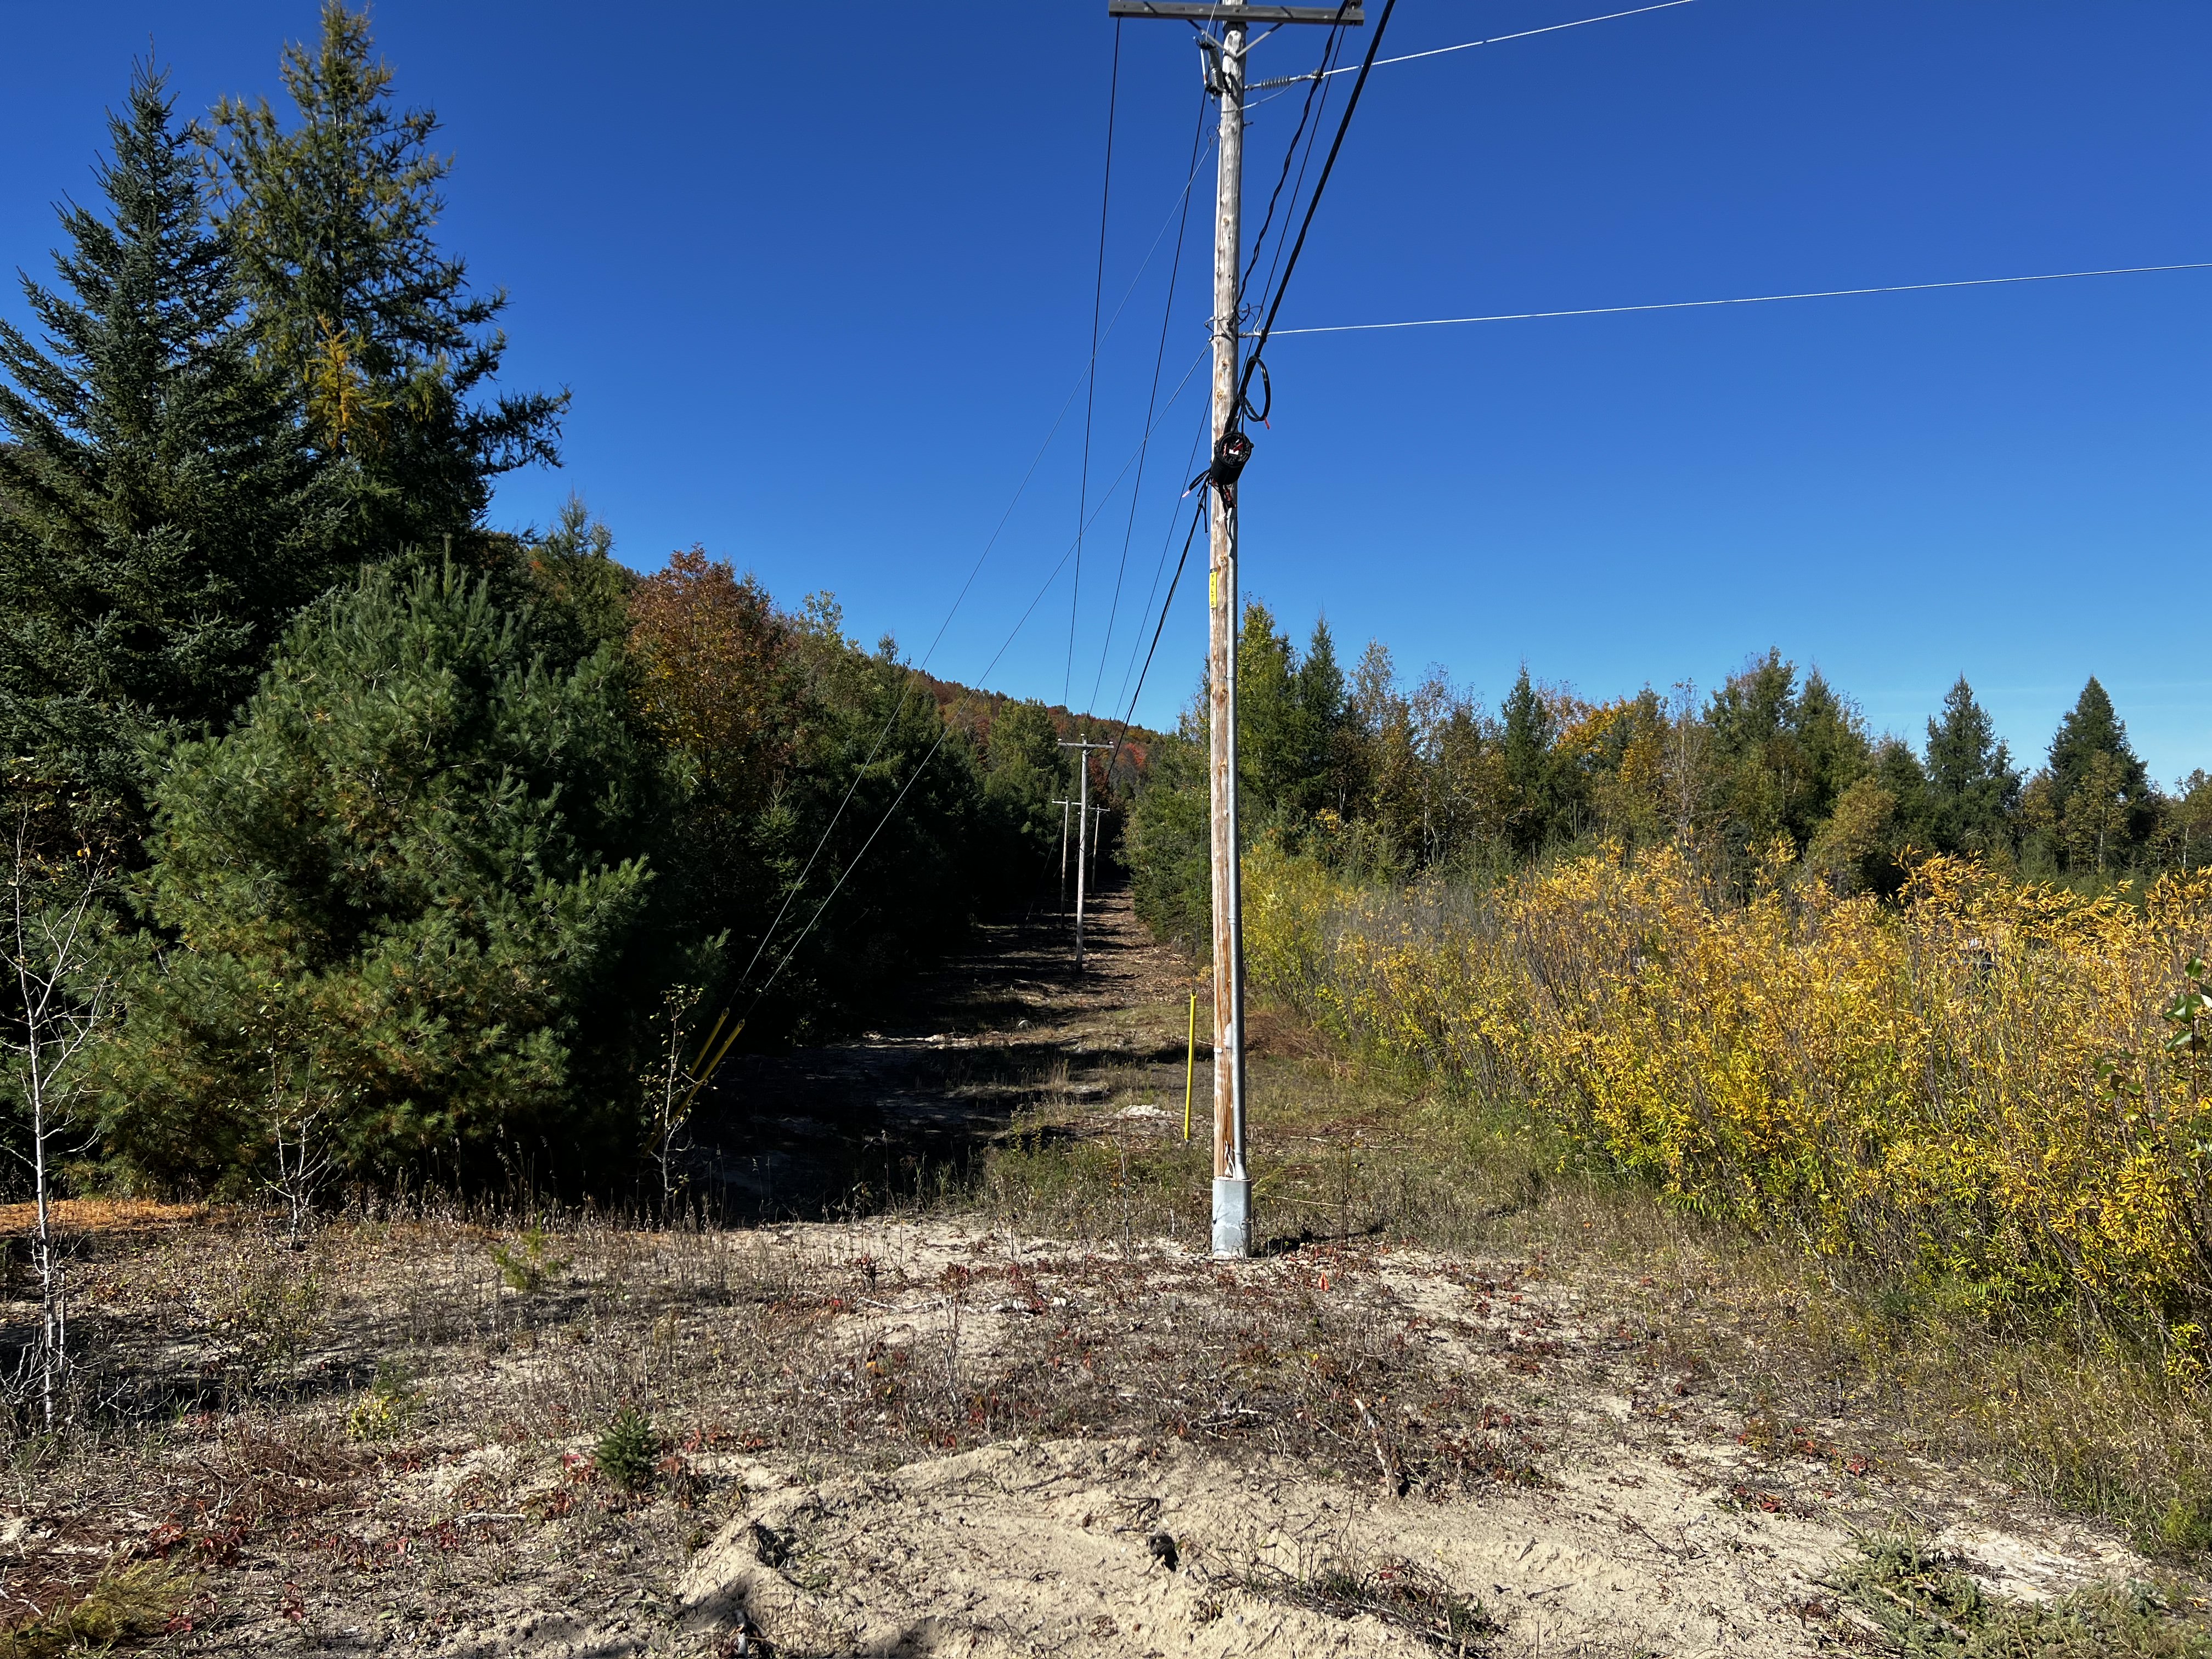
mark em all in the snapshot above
pixel 1390 781
pixel 349 836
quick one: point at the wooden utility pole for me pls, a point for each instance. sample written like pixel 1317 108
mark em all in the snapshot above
pixel 1082 831
pixel 1225 78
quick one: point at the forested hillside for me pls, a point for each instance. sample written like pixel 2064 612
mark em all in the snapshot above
pixel 352 836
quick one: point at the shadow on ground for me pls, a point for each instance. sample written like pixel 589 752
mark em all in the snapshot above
pixel 902 1110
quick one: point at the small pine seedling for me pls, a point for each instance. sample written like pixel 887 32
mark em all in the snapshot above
pixel 627 1451
pixel 527 1267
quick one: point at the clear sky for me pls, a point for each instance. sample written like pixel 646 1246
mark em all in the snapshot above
pixel 821 280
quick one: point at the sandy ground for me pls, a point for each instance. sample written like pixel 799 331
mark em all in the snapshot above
pixel 933 1435
pixel 1643 1527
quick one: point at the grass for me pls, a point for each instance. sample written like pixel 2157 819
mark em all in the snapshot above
pixel 1919 1603
pixel 1397 1593
pixel 126 1603
pixel 2082 1419
pixel 390 1421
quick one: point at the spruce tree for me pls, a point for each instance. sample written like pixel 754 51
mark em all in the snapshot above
pixel 1320 695
pixel 160 517
pixel 1786 754
pixel 2090 728
pixel 1268 750
pixel 1973 789
pixel 355 303
pixel 2094 802
pixel 1530 733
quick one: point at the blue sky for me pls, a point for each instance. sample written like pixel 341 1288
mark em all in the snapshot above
pixel 821 281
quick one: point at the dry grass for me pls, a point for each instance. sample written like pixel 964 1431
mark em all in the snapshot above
pixel 2093 1425
pixel 395 1428
pixel 385 1420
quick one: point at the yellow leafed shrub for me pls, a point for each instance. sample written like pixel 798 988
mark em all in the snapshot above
pixel 1990 1086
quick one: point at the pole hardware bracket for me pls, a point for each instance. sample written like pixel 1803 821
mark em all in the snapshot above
pixel 1210 68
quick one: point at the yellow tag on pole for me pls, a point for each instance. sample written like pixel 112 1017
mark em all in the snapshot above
pixel 1213 588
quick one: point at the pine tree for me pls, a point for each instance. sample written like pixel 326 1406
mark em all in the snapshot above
pixel 159 518
pixel 408 916
pixel 1973 788
pixel 355 303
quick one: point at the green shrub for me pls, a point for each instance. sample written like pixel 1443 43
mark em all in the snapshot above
pixel 527 1267
pixel 387 1408
pixel 408 919
pixel 628 1449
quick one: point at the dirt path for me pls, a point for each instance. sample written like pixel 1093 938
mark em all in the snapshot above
pixel 999 1403
pixel 978 1040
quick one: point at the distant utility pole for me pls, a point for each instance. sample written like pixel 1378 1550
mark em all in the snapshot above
pixel 1082 831
pixel 1065 806
pixel 1225 78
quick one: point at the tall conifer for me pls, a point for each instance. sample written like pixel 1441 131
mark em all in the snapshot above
pixel 2094 800
pixel 355 302
pixel 159 518
pixel 1973 788
pixel 1526 754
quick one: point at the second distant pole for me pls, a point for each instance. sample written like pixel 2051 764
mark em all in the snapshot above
pixel 1082 831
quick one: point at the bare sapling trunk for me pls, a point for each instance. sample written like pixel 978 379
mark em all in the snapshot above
pixel 670 1089
pixel 63 998
pixel 302 1115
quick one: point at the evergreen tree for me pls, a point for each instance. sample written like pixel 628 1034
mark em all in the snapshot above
pixel 1319 695
pixel 1834 743
pixel 1167 843
pixel 1973 788
pixel 580 593
pixel 355 303
pixel 1884 814
pixel 409 921
pixel 159 518
pixel 1785 755
pixel 1026 768
pixel 1899 770
pixel 2093 802
pixel 1525 754
pixel 1269 745
pixel 2092 727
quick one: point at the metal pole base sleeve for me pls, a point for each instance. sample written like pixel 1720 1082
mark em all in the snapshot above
pixel 1232 1217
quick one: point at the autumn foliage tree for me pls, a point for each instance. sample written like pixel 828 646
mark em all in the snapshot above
pixel 718 677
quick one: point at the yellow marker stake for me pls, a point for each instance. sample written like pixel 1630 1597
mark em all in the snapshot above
pixel 1189 1065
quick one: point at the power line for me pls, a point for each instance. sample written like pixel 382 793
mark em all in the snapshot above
pixel 1166 606
pixel 1091 397
pixel 1160 567
pixel 1151 402
pixel 947 717
pixel 1748 300
pixel 1306 111
pixel 1343 126
pixel 975 570
pixel 1468 46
